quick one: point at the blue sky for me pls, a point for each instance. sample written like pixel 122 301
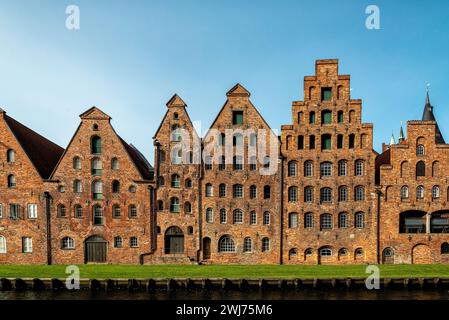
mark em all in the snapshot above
pixel 130 57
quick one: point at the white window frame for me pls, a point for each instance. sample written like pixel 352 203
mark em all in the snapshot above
pixel 32 211
pixel 27 245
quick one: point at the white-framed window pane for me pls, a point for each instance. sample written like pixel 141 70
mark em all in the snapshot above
pixel 1 211
pixel 32 211
pixel 226 244
pixel 326 169
pixel 247 245
pixel 342 168
pixel 308 221
pixel 238 216
pixel 2 244
pixel 27 245
pixel 359 220
pixel 209 215
pixel 223 216
pixel 308 169
pixel 266 218
pixel 118 242
pixel 133 242
pixel 253 217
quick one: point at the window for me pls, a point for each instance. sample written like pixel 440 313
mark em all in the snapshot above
pixel 238 216
pixel 326 117
pixel 444 247
pixel 326 142
pixel 133 242
pixel 326 169
pixel 312 142
pixel 77 163
pixel 174 205
pixel 343 194
pixel 238 163
pixel 326 221
pixel 187 207
pixel 247 244
pixel 176 134
pixel 265 245
pixel 342 168
pixel 359 252
pixel 300 142
pixel 293 220
pixel 340 117
pixel 61 211
pixel 97 190
pixel 162 156
pixel 77 186
pixel 312 117
pixel 435 192
pixel 253 218
pixel 11 181
pixel 115 164
pixel 160 205
pixel 326 252
pixel 266 218
pixel 360 220
pixel 326 195
pixel 98 215
pixel 2 244
pixel 32 211
pixel 188 183
pixel 160 181
pixel 252 140
pixel 359 193
pixel 97 166
pixel 237 117
pixel 266 192
pixel 132 189
pixel 116 211
pixel 208 163
pixel 237 191
pixel 67 243
pixel 308 169
pixel 10 156
pixel 420 169
pixel 300 115
pixel 339 141
pixel 27 245
pixel 292 194
pixel 308 252
pixel 175 181
pixel 209 215
pixel 1 211
pixel 292 253
pixel 359 168
pixel 222 190
pixel 343 220
pixel 222 163
pixel 404 192
pixel 252 192
pixel 14 211
pixel 420 151
pixel 96 145
pixel 175 116
pixel 252 163
pixel 132 211
pixel 176 156
pixel 226 244
pixel 343 252
pixel 118 242
pixel 292 169
pixel 420 192
pixel 237 140
pixel 222 139
pixel 266 162
pixel 223 216
pixel 351 141
pixel 326 94
pixel 308 194
pixel 308 220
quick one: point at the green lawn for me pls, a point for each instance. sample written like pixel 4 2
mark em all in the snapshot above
pixel 217 271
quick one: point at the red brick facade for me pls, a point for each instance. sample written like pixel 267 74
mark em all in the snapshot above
pixel 317 194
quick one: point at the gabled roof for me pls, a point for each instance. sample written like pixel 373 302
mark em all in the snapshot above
pixel 141 163
pixel 176 101
pixel 95 113
pixel 43 153
pixel 238 90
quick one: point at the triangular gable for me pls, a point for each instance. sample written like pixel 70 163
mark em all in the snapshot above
pixel 95 114
pixel 238 90
pixel 176 101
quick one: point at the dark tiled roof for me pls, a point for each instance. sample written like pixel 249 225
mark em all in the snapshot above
pixel 428 115
pixel 383 158
pixel 43 153
pixel 142 164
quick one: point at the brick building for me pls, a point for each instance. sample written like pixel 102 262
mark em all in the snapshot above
pixel 317 194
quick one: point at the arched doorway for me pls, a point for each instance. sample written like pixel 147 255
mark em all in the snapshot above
pixel 421 254
pixel 206 248
pixel 388 256
pixel 95 250
pixel 174 241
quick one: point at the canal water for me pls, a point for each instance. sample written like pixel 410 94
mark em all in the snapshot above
pixel 330 294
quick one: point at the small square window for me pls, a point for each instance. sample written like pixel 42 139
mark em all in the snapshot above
pixel 237 117
pixel 326 94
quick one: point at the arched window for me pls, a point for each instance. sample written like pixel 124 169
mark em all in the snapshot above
pixel 359 220
pixel 326 252
pixel 174 205
pixel 326 142
pixel 420 151
pixel 340 117
pixel 300 142
pixel 326 169
pixel 115 165
pixel 326 222
pixel 10 156
pixel 132 211
pixel 222 190
pixel 77 163
pixel 343 252
pixel 404 169
pixel 444 248
pixel 351 141
pixel 435 192
pixel 96 145
pixel 292 194
pixel 253 192
pixel 115 186
pixel 342 168
pixel 308 220
pixel 404 192
pixel 208 163
pixel 3 244
pixel 222 139
pixel 312 117
pixel 343 220
pixel 308 168
pixel 67 243
pixel 308 252
pixel 300 117
pixel 77 186
pixel 293 220
pixel 266 192
pixel 421 169
pixel 266 218
pixel 343 194
pixel 358 168
pixel 292 169
pixel 237 139
pixel 358 253
pixel 98 215
pixel 175 116
pixel 237 163
pixel 116 211
pixel 97 166
pixel 209 215
pixel 176 133
pixel 420 192
pixel 188 183
pixel 237 191
pixel 247 245
pixel 209 190
pixel 252 139
pixel 97 190
pixel 226 244
pixel 223 216
pixel 326 195
pixel 359 193
pixel 308 194
pixel 187 208
pixel 78 211
pixel 238 216
pixel 436 169
pixel 312 142
pixel 292 253
pixel 253 218
pixel 11 181
pixel 61 211
pixel 265 244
